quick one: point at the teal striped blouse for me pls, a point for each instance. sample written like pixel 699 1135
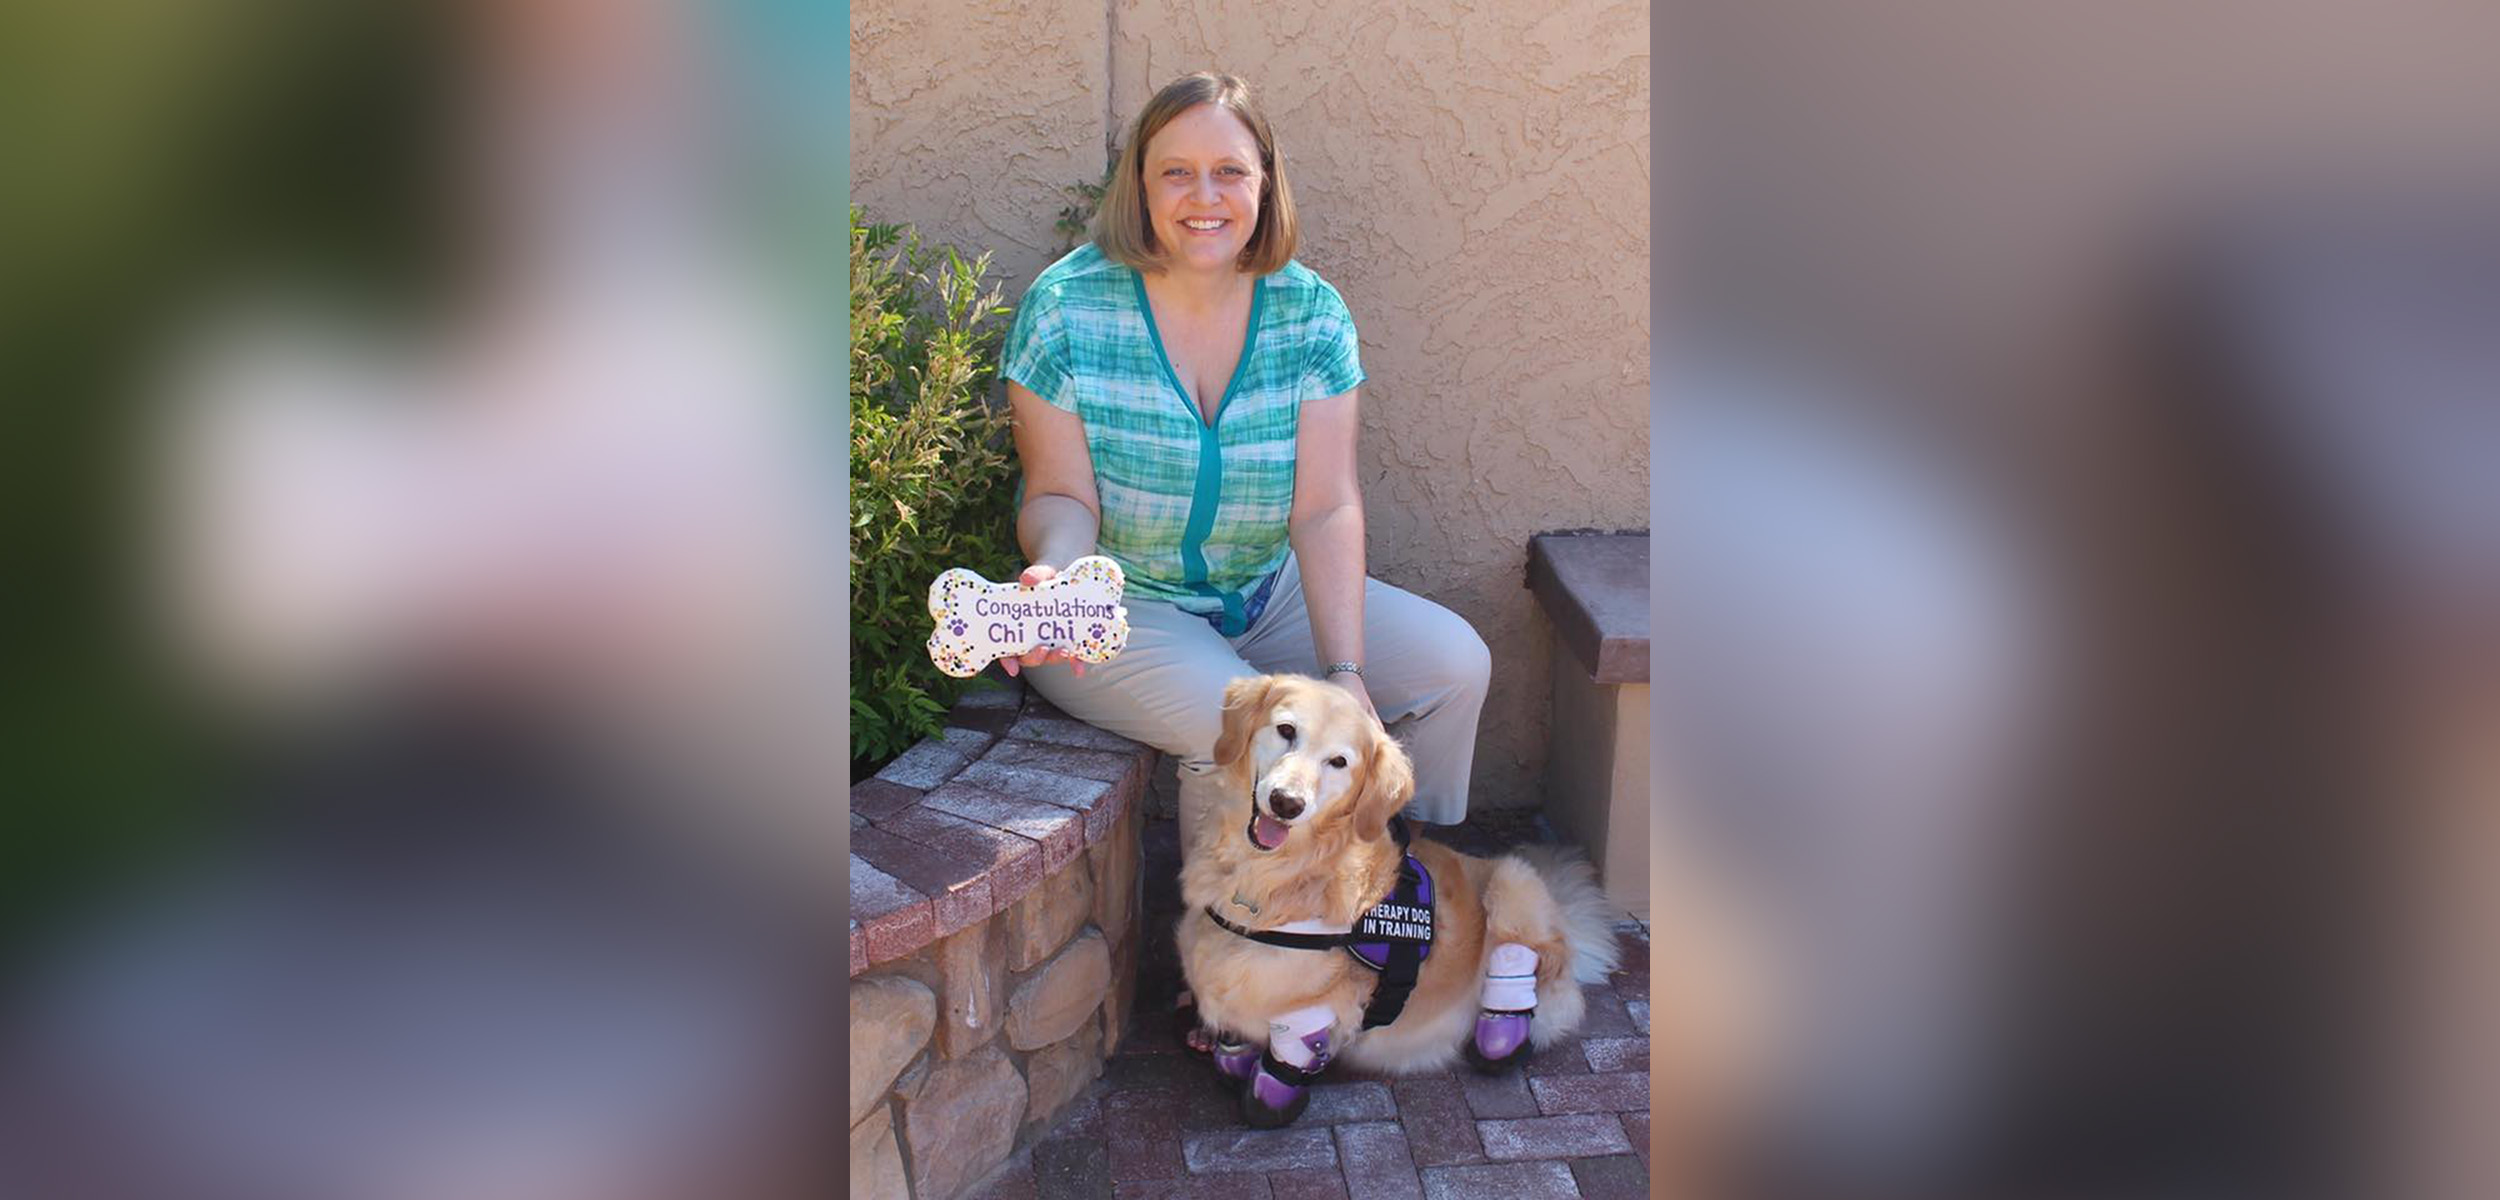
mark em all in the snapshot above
pixel 1193 513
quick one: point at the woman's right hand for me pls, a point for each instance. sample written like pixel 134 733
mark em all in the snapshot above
pixel 1060 515
pixel 1040 656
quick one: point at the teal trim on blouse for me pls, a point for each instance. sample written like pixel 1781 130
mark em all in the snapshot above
pixel 1209 493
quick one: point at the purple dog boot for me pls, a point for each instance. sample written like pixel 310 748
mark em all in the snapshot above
pixel 1238 1060
pixel 1501 1041
pixel 1278 1091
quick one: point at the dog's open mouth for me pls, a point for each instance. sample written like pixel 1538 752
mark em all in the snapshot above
pixel 1266 832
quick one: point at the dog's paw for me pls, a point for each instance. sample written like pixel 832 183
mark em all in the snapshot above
pixel 979 621
pixel 1278 1091
pixel 1235 1060
pixel 1500 1042
pixel 1269 1103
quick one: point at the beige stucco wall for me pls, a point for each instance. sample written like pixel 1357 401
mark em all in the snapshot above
pixel 968 119
pixel 1477 184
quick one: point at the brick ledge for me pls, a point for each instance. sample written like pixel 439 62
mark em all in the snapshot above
pixel 968 822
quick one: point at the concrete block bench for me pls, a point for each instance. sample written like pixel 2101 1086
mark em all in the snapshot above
pixel 994 938
pixel 1594 591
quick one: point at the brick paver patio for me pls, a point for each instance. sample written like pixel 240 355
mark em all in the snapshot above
pixel 1574 1121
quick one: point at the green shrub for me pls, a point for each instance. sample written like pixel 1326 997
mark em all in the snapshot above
pixel 932 470
pixel 1076 220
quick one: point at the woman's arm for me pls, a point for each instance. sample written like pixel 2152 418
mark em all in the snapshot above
pixel 1326 528
pixel 1061 513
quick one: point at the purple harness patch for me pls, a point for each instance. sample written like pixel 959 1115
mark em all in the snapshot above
pixel 1404 918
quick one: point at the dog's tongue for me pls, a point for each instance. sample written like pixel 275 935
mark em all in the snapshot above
pixel 1267 831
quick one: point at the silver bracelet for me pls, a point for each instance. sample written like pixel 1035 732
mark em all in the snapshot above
pixel 1343 668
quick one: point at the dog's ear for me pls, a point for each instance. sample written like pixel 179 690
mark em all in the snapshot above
pixel 1388 783
pixel 1245 704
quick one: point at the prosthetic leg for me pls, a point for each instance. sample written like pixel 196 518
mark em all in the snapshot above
pixel 1280 1085
pixel 1501 1039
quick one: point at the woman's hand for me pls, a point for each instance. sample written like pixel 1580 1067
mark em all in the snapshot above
pixel 1041 656
pixel 1061 513
pixel 1354 683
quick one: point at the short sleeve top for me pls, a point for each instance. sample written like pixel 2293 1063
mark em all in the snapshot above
pixel 1193 512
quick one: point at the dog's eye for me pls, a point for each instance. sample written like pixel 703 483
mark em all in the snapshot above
pixel 1337 762
pixel 1285 731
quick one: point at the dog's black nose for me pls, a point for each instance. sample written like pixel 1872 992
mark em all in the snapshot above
pixel 1284 804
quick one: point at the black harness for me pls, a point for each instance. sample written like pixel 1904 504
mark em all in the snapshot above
pixel 1393 937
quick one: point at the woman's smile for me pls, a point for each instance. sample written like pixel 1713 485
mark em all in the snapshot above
pixel 1202 181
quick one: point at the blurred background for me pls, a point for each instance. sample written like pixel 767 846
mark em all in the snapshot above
pixel 2079 583
pixel 425 656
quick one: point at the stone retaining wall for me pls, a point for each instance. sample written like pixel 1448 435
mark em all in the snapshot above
pixel 994 939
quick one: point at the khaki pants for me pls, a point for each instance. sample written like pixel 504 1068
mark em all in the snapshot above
pixel 1425 667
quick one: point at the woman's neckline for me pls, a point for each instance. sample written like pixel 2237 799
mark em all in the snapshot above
pixel 1171 374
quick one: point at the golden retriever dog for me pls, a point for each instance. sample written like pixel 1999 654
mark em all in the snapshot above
pixel 1301 846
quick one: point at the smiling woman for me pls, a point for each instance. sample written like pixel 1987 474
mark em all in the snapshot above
pixel 1204 185
pixel 1184 395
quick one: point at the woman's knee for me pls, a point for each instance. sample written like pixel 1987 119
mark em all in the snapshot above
pixel 1191 744
pixel 1438 650
pixel 1475 667
pixel 1186 731
pixel 1465 661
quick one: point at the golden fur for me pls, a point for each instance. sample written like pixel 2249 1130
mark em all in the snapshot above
pixel 1337 861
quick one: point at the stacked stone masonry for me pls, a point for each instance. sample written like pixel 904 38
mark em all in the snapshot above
pixel 994 938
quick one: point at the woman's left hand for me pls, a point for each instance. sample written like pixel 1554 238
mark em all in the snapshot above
pixel 1354 683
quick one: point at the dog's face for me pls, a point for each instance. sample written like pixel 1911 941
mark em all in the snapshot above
pixel 1303 758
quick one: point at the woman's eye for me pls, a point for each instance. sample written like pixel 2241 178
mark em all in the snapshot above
pixel 1285 731
pixel 1337 762
pixel 1176 173
pixel 1234 171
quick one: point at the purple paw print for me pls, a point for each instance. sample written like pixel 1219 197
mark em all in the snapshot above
pixel 1096 632
pixel 956 627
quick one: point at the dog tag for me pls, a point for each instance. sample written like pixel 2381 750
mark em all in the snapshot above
pixel 979 621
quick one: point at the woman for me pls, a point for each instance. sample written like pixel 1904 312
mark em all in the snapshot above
pixel 1184 397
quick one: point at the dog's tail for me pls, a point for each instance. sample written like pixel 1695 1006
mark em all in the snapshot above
pixel 1588 918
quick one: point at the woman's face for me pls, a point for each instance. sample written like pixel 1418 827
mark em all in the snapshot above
pixel 1202 188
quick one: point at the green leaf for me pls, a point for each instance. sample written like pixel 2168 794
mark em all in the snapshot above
pixel 932 467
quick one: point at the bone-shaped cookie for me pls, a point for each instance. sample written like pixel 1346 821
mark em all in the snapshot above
pixel 978 621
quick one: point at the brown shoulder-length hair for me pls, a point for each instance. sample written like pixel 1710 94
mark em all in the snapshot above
pixel 1120 224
